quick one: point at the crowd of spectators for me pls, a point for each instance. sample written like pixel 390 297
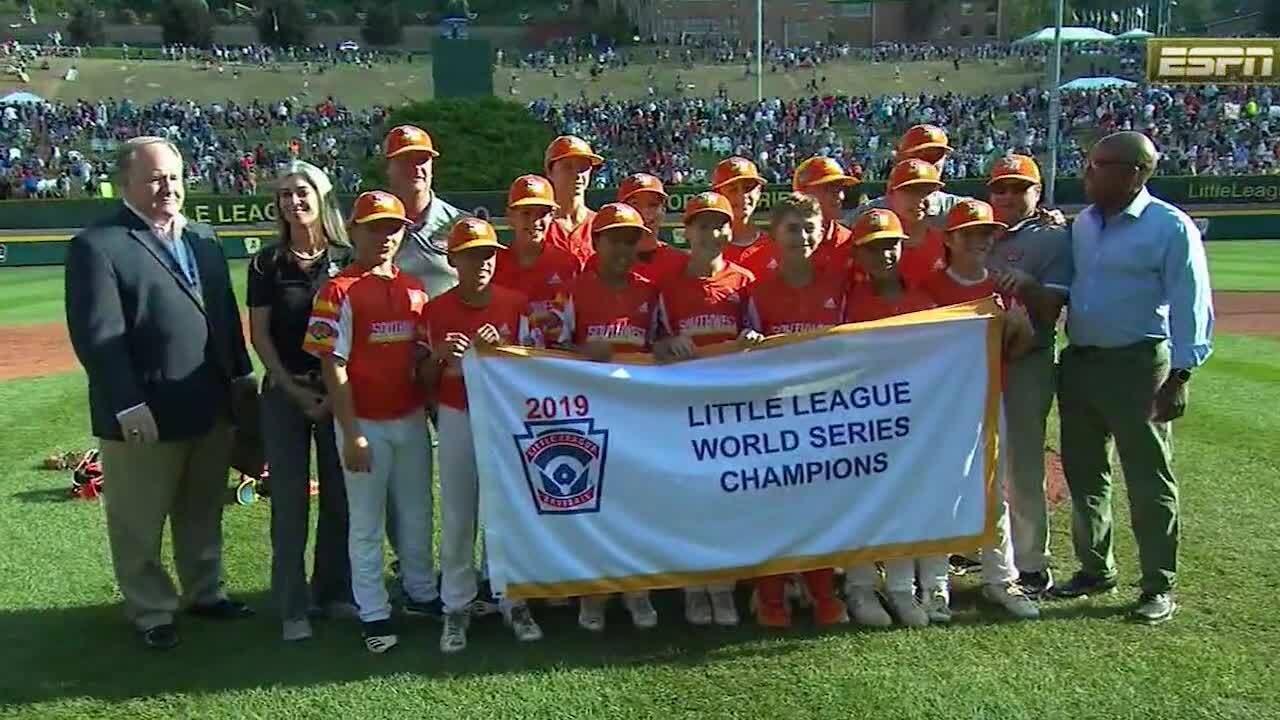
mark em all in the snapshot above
pixel 60 149
pixel 1207 131
pixel 63 150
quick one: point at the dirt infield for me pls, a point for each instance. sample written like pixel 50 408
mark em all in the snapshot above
pixel 36 350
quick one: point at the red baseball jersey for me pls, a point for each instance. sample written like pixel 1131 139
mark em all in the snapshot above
pixel 945 290
pixel 372 323
pixel 576 242
pixel 446 314
pixel 862 303
pixel 546 284
pixel 709 310
pixel 835 252
pixel 621 317
pixel 776 308
pixel 760 257
pixel 667 261
pixel 918 263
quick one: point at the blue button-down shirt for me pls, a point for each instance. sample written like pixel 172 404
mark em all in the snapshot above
pixel 1141 274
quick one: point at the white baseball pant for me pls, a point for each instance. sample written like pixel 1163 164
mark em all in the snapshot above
pixel 400 475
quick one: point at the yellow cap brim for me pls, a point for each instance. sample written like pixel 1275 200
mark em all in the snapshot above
pixel 634 193
pixel 481 242
pixel 413 148
pixel 1023 178
pixel 381 216
pixel 847 180
pixel 752 178
pixel 596 160
pixel 879 235
pixel 691 215
pixel 927 146
pixel 976 223
pixel 527 202
pixel 937 184
pixel 615 226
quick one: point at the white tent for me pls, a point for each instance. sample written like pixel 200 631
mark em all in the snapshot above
pixel 21 97
pixel 1069 34
pixel 1098 83
pixel 1135 34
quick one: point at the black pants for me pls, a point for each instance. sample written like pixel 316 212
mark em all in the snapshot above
pixel 288 434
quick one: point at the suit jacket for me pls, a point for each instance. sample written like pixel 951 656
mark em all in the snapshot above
pixel 144 335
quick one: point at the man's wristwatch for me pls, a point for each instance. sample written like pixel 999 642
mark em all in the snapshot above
pixel 1182 375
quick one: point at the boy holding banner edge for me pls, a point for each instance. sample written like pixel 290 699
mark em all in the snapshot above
pixel 474 311
pixel 699 307
pixel 970 235
pixel 798 298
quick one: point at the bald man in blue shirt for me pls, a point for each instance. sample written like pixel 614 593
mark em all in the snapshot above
pixel 1140 321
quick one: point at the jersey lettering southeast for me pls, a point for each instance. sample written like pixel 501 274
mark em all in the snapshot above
pixel 708 310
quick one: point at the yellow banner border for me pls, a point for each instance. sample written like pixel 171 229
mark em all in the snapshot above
pixel 978 310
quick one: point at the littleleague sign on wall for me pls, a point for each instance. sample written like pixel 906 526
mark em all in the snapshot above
pixel 861 443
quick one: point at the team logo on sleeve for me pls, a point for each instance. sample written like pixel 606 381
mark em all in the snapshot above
pixel 321 331
pixel 563 463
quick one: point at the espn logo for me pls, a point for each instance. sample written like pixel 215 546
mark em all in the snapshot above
pixel 1236 61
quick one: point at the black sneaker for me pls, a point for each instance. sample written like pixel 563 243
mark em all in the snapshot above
pixel 432 608
pixel 963 565
pixel 1082 584
pixel 160 637
pixel 1154 608
pixel 1036 584
pixel 379 636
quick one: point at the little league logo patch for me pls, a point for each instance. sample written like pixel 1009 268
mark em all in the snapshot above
pixel 563 463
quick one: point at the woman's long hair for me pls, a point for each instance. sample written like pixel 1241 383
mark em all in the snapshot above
pixel 335 230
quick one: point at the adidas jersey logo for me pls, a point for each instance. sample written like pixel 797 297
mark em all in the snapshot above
pixel 554 279
pixel 644 307
pixel 830 304
pixel 773 264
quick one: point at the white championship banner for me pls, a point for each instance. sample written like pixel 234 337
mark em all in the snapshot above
pixel 866 442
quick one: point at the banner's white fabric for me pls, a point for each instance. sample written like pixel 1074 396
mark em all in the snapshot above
pixel 854 445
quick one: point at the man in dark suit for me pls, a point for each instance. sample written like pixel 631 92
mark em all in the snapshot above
pixel 154 321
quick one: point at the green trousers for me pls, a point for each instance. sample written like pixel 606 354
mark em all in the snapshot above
pixel 1105 394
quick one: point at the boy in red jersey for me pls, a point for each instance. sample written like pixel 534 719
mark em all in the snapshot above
pixel 970 234
pixel 655 260
pixel 704 304
pixel 610 311
pixel 824 179
pixel 699 307
pixel 542 272
pixel 474 311
pixel 364 329
pixel 911 185
pixel 568 162
pixel 797 298
pixel 739 181
pixel 877 248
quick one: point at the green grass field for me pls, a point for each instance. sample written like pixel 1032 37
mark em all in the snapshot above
pixel 144 81
pixel 67 653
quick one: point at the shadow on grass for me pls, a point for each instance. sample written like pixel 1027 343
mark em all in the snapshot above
pixel 89 652
pixel 43 496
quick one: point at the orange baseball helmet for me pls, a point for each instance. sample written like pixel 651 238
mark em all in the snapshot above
pixel 914 172
pixel 1015 167
pixel 820 170
pixel 734 169
pixel 472 233
pixel 377 205
pixel 531 190
pixel 971 213
pixel 406 139
pixel 920 138
pixel 567 146
pixel 877 224
pixel 640 183
pixel 707 202
pixel 617 215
